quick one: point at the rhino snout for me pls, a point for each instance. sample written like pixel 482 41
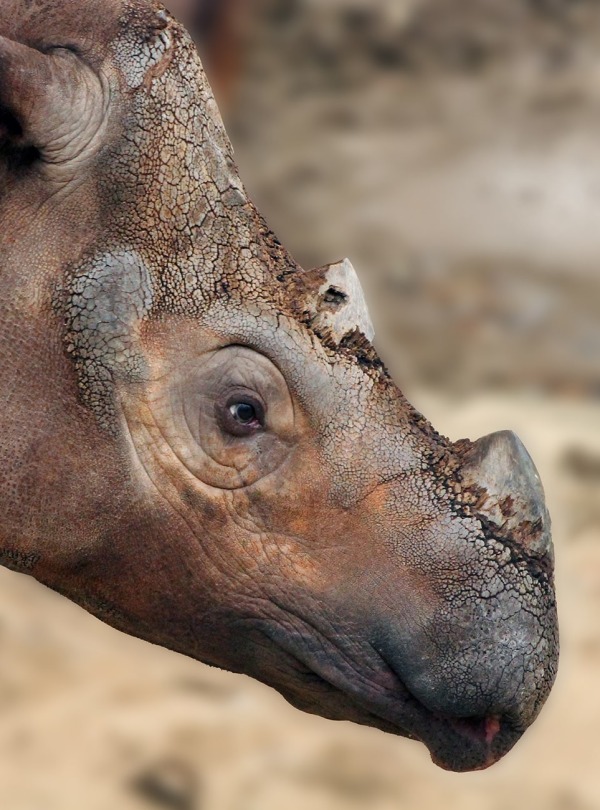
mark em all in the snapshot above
pixel 510 494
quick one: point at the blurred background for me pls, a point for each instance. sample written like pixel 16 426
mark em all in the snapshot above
pixel 451 149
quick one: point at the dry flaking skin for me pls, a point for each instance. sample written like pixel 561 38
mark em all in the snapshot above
pixel 198 442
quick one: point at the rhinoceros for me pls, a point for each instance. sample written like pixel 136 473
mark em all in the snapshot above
pixel 199 443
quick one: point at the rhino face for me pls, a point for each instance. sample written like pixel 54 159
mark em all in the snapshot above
pixel 222 464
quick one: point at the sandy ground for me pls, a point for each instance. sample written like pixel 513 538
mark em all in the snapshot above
pixel 95 720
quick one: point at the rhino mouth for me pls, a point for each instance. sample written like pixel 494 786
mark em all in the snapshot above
pixel 374 695
pixel 454 743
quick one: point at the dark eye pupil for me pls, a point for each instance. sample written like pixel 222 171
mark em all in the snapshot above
pixel 243 412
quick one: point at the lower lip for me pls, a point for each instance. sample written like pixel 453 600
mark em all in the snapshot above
pixel 482 731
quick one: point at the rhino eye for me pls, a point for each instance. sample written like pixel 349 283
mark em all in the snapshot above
pixel 241 415
pixel 243 412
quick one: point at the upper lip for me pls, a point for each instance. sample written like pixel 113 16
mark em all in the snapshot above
pixel 455 743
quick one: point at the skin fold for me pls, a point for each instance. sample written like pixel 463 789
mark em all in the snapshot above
pixel 198 441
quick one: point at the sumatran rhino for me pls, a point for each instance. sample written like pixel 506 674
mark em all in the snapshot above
pixel 198 442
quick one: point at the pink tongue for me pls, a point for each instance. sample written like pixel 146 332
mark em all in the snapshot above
pixel 483 729
pixel 492 727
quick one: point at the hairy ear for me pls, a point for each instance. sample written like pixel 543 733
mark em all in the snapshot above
pixel 47 100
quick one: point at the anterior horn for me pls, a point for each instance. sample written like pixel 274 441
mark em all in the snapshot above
pixel 511 494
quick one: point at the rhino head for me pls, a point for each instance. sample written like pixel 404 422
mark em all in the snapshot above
pixel 199 443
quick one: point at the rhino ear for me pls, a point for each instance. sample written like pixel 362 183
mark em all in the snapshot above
pixel 340 305
pixel 38 92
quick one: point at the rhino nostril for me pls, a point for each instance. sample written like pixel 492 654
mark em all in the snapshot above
pixel 510 494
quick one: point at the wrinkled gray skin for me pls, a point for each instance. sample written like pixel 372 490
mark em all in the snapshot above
pixel 332 545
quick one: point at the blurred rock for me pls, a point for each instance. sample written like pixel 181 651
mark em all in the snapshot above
pixel 169 784
pixel 581 493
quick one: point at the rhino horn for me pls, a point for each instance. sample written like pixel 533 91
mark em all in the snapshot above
pixel 46 98
pixel 511 495
pixel 340 306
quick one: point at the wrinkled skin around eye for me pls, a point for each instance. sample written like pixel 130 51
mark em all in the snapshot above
pixel 193 417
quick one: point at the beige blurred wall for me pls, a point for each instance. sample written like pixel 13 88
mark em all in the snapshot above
pixel 450 149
